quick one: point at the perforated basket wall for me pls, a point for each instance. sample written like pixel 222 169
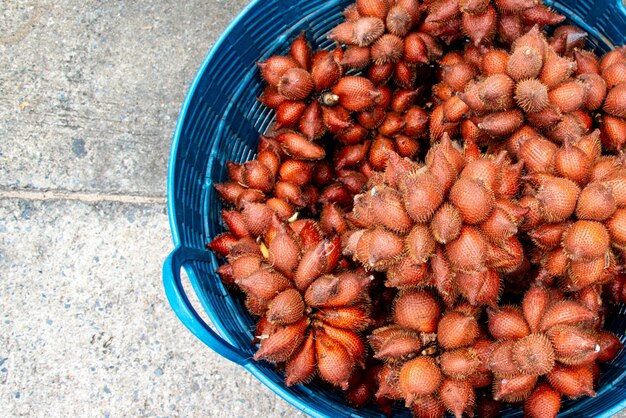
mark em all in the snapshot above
pixel 221 120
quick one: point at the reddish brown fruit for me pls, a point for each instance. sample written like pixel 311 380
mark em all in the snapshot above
pixel 300 50
pixel 480 288
pixel 366 30
pixel 556 69
pixel 356 93
pixel 403 99
pixel 573 163
pixel 427 407
pixel 415 49
pixel 335 291
pixel 271 98
pixel 222 244
pixel 474 201
pixel 349 340
pixel 286 308
pixel 378 249
pixel 568 96
pixel 388 48
pixel 501 124
pixel 525 63
pixel 499 359
pixel 376 8
pixel 613 132
pixel 379 151
pixel 514 389
pixel 615 74
pixel 611 58
pixel 405 274
pixel 343 33
pixel 455 109
pixel 458 396
pixel 507 323
pixel 379 74
pixel 610 346
pixel 419 377
pixel 334 364
pixel 296 172
pixel 257 175
pixel 421 196
pixel 615 102
pixel 480 28
pixel 499 226
pixel 301 366
pixel 513 6
pixel 573 345
pixel 282 342
pixel 388 210
pixel 510 27
pixel 538 154
pixel 545 119
pixel 596 202
pixel 548 236
pixel 417 310
pixel 284 253
pixel 296 84
pixel 458 75
pixel 446 224
pixel 531 95
pixel 225 271
pixel 544 402
pixel 617 228
pixel 325 70
pixel 456 330
pixel 565 312
pixel 406 146
pixel 495 61
pixel 398 21
pixel 354 318
pixel 273 69
pixel 533 354
pixel 297 146
pixel 572 381
pixel 595 90
pixel 586 240
pixel 496 92
pixel 469 251
pixel 557 196
pixel 460 363
pixel 394 343
pixel 356 57
pixel 264 284
pixel 404 74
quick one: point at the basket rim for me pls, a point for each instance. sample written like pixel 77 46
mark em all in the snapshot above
pixel 252 367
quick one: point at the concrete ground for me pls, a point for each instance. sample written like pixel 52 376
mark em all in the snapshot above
pixel 89 95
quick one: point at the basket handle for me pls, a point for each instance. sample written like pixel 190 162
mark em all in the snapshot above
pixel 184 310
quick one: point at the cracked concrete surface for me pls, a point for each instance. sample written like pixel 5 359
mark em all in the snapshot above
pixel 89 95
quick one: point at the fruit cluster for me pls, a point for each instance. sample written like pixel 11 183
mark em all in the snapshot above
pixel 433 221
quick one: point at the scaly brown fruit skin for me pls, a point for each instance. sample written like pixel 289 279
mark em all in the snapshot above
pixel 452 206
pixel 312 322
pixel 427 371
pixel 561 347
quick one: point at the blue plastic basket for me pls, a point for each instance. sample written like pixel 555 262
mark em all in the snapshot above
pixel 221 120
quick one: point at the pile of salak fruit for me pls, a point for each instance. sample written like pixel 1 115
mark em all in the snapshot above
pixel 437 215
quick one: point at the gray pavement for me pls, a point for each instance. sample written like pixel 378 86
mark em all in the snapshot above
pixel 89 94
